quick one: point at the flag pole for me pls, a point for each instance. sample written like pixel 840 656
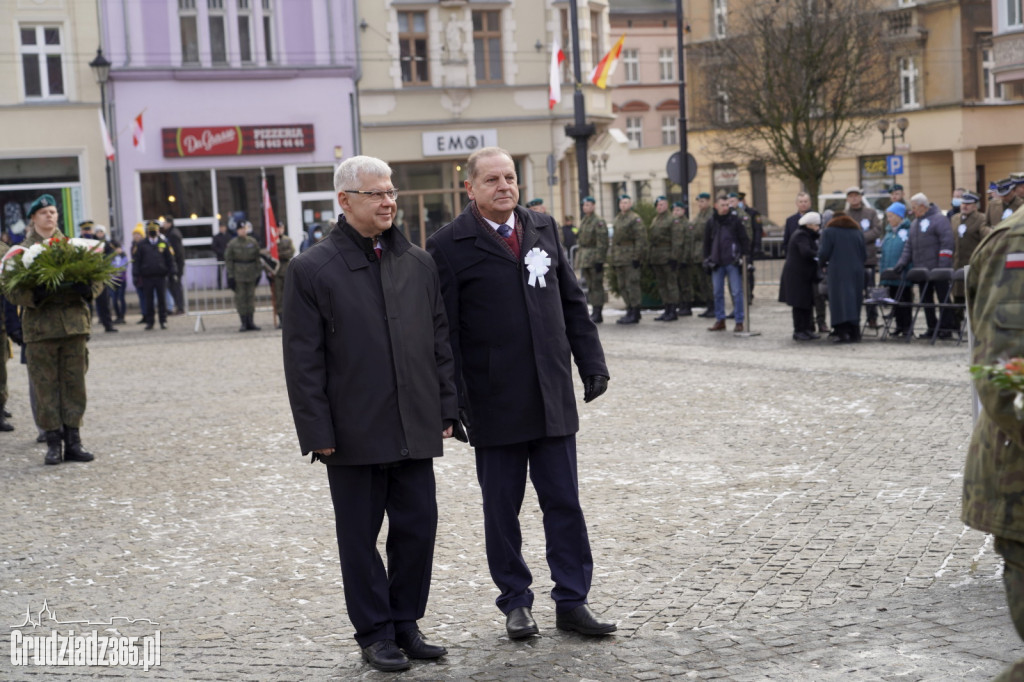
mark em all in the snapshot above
pixel 580 131
pixel 265 203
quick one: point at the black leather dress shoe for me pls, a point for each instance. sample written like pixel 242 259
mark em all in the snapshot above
pixel 414 646
pixel 520 623
pixel 385 656
pixel 582 620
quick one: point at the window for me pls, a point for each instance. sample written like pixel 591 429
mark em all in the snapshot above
pixel 42 62
pixel 721 18
pixel 666 61
pixel 245 31
pixel 631 64
pixel 487 46
pixel 595 38
pixel 991 91
pixel 722 107
pixel 1010 15
pixel 908 83
pixel 412 47
pixel 669 129
pixel 189 31
pixel 218 32
pixel 268 30
pixel 635 131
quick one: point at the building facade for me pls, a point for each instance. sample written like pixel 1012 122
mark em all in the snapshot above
pixel 1008 42
pixel 440 79
pixel 208 97
pixel 960 132
pixel 49 113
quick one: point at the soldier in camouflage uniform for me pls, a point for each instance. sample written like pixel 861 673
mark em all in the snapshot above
pixel 591 254
pixel 687 254
pixel 55 329
pixel 661 254
pixel 244 265
pixel 993 496
pixel 629 244
pixel 1008 201
pixel 285 253
pixel 702 290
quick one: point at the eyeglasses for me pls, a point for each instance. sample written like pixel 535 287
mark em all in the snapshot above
pixel 376 196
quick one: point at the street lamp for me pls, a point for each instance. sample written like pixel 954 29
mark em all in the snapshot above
pixel 600 162
pixel 901 124
pixel 101 68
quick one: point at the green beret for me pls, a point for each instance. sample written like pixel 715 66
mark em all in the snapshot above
pixel 625 196
pixel 534 202
pixel 43 201
pixel 677 204
pixel 703 195
pixel 660 198
pixel 733 195
pixel 896 187
pixel 588 198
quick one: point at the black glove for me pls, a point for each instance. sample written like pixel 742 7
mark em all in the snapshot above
pixel 459 432
pixel 594 386
pixel 231 283
pixel 673 264
pixel 636 264
pixel 708 265
pixel 463 423
pixel 83 290
pixel 598 267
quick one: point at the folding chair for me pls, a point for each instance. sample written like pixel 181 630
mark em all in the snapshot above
pixel 941 275
pixel 887 305
pixel 918 276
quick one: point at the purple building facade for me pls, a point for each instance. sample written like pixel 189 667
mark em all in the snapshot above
pixel 207 98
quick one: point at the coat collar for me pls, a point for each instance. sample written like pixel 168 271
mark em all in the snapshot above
pixel 355 257
pixel 469 228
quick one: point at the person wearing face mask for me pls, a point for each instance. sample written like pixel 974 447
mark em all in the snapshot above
pixel 956 201
pixel 152 264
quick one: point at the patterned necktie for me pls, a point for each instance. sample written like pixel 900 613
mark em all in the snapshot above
pixel 379 251
pixel 505 231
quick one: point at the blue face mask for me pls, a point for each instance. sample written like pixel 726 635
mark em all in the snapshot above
pixel 957 201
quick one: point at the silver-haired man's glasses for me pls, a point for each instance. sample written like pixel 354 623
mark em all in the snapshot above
pixel 376 196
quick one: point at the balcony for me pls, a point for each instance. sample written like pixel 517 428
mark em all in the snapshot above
pixel 904 24
pixel 1009 57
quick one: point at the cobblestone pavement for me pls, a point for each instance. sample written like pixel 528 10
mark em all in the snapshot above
pixel 758 510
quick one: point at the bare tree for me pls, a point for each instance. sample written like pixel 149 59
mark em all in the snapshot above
pixel 798 82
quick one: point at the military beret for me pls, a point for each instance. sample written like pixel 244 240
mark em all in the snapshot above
pixel 43 201
pixel 733 195
pixel 152 225
pixel 896 188
pixel 677 204
pixel 1004 186
pixel 625 196
pixel 534 202
pixel 703 195
pixel 660 198
pixel 588 198
pixel 970 198
pixel 1017 178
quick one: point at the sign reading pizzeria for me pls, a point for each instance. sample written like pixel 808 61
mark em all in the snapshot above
pixel 237 140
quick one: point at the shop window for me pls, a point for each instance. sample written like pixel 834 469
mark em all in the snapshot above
pixel 42 62
pixel 179 195
pixel 487 46
pixel 245 31
pixel 412 44
pixel 316 179
pixel 39 170
pixel 268 30
pixel 188 27
pixel 218 32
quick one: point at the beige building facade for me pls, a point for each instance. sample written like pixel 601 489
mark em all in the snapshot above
pixel 49 112
pixel 1008 42
pixel 963 125
pixel 440 79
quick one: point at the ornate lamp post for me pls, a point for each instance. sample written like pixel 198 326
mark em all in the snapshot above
pixel 101 68
pixel 900 124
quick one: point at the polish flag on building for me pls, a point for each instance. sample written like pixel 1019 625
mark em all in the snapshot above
pixel 108 145
pixel 269 222
pixel 555 85
pixel 606 67
pixel 137 139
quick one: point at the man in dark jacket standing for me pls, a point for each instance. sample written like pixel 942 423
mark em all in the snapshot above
pixel 517 317
pixel 725 244
pixel 173 236
pixel 151 267
pixel 371 384
pixel 929 246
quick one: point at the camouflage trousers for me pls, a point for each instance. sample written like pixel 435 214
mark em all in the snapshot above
pixel 595 286
pixel 57 368
pixel 1013 579
pixel 668 284
pixel 245 297
pixel 278 284
pixel 629 285
pixel 4 352
pixel 690 278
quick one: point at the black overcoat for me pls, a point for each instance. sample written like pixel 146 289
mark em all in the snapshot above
pixel 366 355
pixel 514 343
pixel 800 273
pixel 843 254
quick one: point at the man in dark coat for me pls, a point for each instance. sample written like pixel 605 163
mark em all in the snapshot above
pixel 517 315
pixel 220 244
pixel 371 385
pixel 930 245
pixel 800 275
pixel 725 244
pixel 173 236
pixel 151 266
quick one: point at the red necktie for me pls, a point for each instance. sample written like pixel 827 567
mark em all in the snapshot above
pixel 378 250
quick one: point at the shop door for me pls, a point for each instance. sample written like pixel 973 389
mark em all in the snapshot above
pixel 317 211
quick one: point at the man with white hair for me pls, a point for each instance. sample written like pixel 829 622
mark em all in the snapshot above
pixel 930 245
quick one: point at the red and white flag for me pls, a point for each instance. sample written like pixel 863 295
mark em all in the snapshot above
pixel 555 85
pixel 268 220
pixel 137 138
pixel 108 145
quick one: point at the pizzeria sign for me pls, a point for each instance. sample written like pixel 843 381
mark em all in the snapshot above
pixel 237 140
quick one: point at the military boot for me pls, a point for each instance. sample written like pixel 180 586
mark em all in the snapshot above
pixel 250 324
pixel 669 315
pixel 4 414
pixel 53 447
pixel 596 316
pixel 632 316
pixel 245 323
pixel 73 451
pixel 684 310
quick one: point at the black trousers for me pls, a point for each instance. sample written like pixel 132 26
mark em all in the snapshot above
pixel 936 292
pixel 155 286
pixel 502 472
pixel 803 319
pixel 103 308
pixel 382 602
